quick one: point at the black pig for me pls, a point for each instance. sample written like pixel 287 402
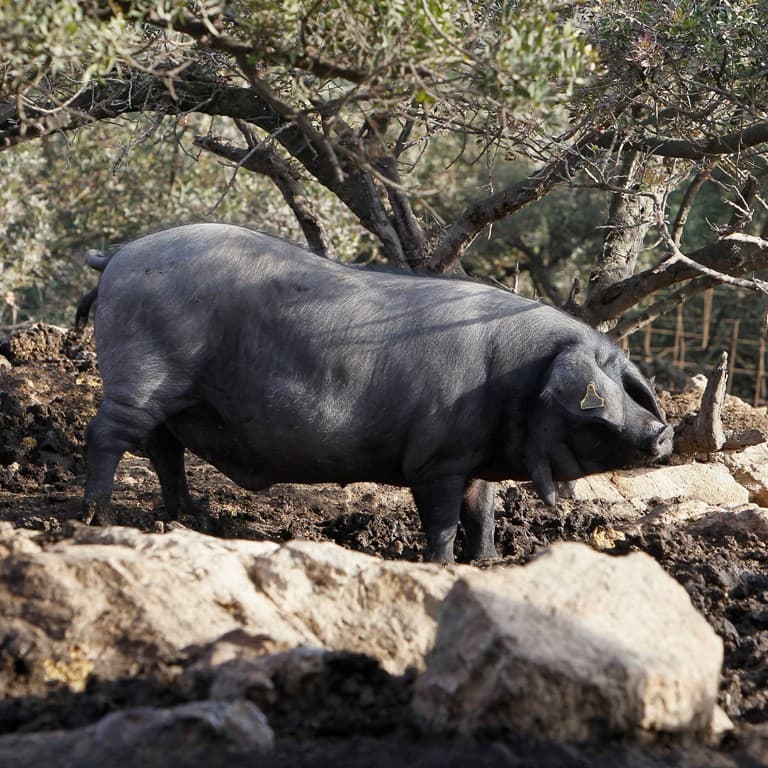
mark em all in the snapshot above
pixel 275 365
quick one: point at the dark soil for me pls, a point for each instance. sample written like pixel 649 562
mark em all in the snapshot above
pixel 51 389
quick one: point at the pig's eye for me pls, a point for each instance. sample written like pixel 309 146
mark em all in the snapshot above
pixel 592 399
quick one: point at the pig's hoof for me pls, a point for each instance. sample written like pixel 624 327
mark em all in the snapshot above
pixel 103 516
pixel 88 513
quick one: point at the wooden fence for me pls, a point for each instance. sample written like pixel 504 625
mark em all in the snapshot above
pixel 683 342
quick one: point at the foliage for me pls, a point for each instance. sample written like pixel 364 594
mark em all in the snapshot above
pixel 107 184
pixel 620 143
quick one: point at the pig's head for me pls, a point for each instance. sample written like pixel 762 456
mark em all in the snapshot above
pixel 592 417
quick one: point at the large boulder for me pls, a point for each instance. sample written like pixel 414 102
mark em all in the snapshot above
pixel 571 645
pixel 575 645
pixel 109 600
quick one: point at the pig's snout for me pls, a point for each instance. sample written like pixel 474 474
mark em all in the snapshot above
pixel 660 442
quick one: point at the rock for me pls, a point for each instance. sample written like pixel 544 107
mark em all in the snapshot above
pixel 700 517
pixel 342 600
pixel 720 725
pixel 5 364
pixel 726 522
pixel 111 600
pixel 14 541
pixel 237 725
pixel 303 689
pixel 711 483
pixel 133 736
pixel 596 487
pixel 574 645
pixel 670 514
pixel 749 468
pixel 593 640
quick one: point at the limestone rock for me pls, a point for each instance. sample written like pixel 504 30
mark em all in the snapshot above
pixel 671 514
pixel 574 645
pixel 749 468
pixel 571 645
pixel 593 487
pixel 711 483
pixel 705 518
pixel 110 600
pixel 130 736
pixel 343 600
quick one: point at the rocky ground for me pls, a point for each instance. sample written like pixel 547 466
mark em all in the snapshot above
pixel 359 716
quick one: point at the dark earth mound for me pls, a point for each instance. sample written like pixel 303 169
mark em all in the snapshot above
pixel 49 389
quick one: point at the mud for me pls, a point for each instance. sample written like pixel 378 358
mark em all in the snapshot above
pixel 356 714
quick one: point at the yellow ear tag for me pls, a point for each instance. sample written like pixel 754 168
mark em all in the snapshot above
pixel 591 399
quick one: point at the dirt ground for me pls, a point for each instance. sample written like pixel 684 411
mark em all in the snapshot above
pixel 51 389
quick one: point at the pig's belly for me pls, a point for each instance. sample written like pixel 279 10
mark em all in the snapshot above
pixel 256 459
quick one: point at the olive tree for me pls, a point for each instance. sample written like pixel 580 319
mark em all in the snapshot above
pixel 638 107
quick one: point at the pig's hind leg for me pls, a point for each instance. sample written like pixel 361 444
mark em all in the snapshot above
pixel 167 456
pixel 115 429
pixel 438 501
pixel 477 517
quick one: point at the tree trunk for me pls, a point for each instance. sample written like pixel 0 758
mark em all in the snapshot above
pixel 630 216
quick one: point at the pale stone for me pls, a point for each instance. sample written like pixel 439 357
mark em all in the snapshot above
pixel 700 516
pixel 710 483
pixel 121 593
pixel 347 601
pixel 595 487
pixel 13 541
pixel 749 468
pixel 720 725
pixel 238 725
pixel 666 514
pixel 603 630
pixel 574 645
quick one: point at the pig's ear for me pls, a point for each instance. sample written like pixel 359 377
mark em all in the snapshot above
pixel 637 388
pixel 576 382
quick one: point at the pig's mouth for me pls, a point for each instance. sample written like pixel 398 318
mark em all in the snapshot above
pixel 594 455
pixel 595 451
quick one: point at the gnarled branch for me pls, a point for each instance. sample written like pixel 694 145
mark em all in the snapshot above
pixel 264 160
pixel 729 257
pixel 703 432
pixel 684 149
pixel 483 212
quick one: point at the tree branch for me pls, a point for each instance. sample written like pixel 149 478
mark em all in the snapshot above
pixel 726 144
pixel 631 323
pixel 135 91
pixel 731 256
pixel 208 31
pixel 409 231
pixel 261 159
pixel 630 215
pixel 690 195
pixel 742 213
pixel 483 212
